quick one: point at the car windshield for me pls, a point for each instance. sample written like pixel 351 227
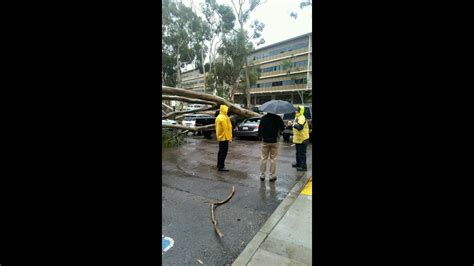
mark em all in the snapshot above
pixel 189 118
pixel 252 121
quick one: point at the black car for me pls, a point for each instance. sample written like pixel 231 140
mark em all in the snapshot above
pixel 248 128
pixel 288 132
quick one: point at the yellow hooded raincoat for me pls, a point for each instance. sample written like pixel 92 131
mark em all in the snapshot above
pixel 300 135
pixel 223 125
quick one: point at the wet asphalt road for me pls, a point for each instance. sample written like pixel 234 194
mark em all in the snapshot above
pixel 190 178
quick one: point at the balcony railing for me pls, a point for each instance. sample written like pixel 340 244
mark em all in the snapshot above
pixel 295 70
pixel 278 56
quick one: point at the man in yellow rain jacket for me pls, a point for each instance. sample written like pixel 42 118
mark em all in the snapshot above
pixel 300 138
pixel 224 136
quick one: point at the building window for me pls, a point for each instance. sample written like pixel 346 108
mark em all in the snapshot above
pixel 281 50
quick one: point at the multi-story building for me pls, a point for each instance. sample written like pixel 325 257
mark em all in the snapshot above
pixel 285 72
pixel 193 80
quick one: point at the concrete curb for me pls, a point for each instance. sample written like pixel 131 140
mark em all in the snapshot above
pixel 252 247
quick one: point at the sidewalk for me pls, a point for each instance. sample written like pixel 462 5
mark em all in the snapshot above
pixel 286 237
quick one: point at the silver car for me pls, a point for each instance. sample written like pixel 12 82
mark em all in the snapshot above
pixel 248 128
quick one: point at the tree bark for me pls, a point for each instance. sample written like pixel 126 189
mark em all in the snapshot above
pixel 202 63
pixel 247 83
pixel 189 100
pixel 178 70
pixel 188 112
pixel 207 97
pixel 167 106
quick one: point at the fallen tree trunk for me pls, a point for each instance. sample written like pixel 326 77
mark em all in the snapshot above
pixel 190 128
pixel 207 97
pixel 189 100
pixel 187 112
pixel 167 106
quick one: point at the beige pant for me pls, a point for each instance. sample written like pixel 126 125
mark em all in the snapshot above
pixel 268 149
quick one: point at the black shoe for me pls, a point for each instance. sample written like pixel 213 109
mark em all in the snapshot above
pixel 301 169
pixel 295 165
pixel 223 169
pixel 262 178
pixel 273 179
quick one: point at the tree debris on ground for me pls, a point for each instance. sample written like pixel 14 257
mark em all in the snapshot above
pixel 214 205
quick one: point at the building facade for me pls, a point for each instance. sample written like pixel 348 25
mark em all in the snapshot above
pixel 192 80
pixel 285 72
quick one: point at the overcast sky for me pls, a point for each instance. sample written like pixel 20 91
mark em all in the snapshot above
pixel 275 14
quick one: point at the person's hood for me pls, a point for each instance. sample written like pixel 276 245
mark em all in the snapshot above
pixel 301 110
pixel 223 109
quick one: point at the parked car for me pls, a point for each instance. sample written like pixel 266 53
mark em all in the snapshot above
pixel 248 128
pixel 193 107
pixel 167 121
pixel 189 120
pixel 196 120
pixel 308 113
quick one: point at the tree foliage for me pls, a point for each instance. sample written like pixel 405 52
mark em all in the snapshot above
pixel 188 39
pixel 303 4
pixel 242 13
pixel 234 51
pixel 220 20
pixel 182 35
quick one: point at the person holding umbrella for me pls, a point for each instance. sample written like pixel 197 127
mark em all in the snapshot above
pixel 300 138
pixel 269 130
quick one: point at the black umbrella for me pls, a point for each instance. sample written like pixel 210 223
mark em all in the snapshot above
pixel 277 107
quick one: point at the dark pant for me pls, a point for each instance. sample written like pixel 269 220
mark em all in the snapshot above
pixel 223 148
pixel 301 155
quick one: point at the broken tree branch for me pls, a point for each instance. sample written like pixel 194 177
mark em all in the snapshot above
pixel 214 222
pixel 227 199
pixel 194 129
pixel 214 205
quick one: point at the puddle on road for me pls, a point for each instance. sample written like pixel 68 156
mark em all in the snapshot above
pixel 243 161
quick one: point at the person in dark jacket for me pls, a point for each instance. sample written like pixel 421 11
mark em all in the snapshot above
pixel 269 131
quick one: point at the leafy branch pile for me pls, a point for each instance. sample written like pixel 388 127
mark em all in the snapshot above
pixel 172 138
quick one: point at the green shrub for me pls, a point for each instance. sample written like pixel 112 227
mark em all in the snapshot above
pixel 172 138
